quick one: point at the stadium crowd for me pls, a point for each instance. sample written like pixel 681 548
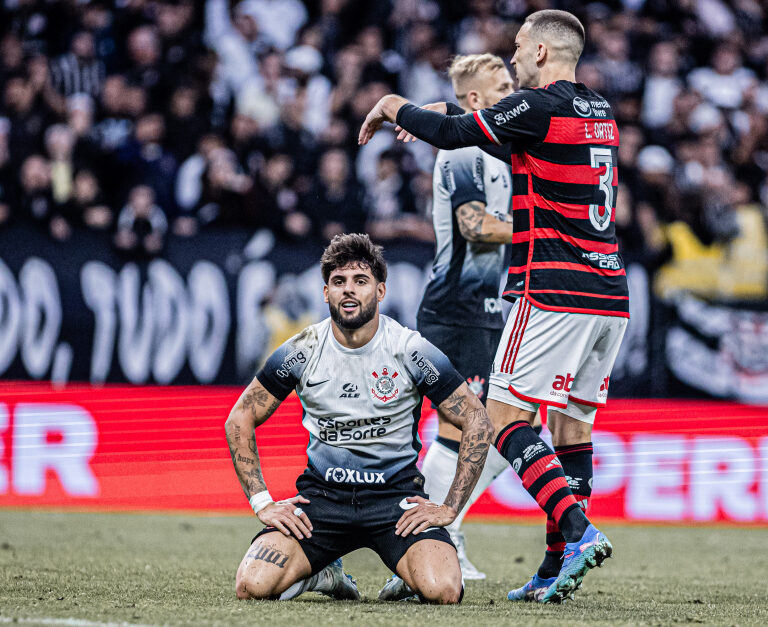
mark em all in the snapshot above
pixel 141 118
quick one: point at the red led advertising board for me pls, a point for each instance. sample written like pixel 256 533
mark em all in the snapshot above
pixel 163 448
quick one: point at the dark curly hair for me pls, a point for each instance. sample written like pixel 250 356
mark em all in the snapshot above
pixel 348 248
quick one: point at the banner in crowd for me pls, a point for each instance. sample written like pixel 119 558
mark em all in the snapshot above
pixel 719 350
pixel 163 448
pixel 209 311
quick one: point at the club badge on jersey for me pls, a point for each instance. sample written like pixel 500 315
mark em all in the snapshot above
pixel 384 385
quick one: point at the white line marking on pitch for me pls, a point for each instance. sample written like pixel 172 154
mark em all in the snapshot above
pixel 72 622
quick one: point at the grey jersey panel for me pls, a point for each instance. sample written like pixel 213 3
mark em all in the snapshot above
pixel 463 287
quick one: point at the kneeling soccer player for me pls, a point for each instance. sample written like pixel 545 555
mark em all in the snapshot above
pixel 361 378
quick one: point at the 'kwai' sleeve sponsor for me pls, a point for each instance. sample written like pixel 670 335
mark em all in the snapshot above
pixel 462 176
pixel 429 368
pixel 519 118
pixel 284 368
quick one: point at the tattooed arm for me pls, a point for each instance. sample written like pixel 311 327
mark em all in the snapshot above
pixel 252 409
pixel 477 225
pixel 463 410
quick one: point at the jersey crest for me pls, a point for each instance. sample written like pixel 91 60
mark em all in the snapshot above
pixel 384 386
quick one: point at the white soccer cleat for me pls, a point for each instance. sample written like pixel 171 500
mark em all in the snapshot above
pixel 468 570
pixel 342 586
pixel 396 590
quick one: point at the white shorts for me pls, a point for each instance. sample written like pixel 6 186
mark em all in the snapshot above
pixel 560 359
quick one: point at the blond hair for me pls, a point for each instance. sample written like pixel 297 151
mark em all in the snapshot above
pixel 467 67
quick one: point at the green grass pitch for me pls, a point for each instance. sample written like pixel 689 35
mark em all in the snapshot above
pixel 151 569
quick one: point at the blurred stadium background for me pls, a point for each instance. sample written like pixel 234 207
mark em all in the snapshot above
pixel 171 170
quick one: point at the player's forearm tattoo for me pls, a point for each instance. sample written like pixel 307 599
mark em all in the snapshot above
pixel 476 225
pixel 476 437
pixel 456 403
pixel 245 459
pixel 257 402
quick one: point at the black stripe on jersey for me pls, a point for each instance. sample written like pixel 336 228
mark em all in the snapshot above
pixel 569 154
pixel 519 184
pixel 570 193
pixel 574 302
pixel 556 249
pixel 573 227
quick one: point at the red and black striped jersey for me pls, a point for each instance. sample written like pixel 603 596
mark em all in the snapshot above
pixel 562 142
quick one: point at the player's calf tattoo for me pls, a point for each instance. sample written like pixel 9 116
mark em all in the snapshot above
pixel 269 554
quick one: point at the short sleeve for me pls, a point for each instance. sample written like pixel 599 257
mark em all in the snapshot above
pixel 519 117
pixel 462 172
pixel 283 369
pixel 429 368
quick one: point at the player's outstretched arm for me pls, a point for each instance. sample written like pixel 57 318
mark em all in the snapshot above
pixel 252 409
pixel 477 225
pixel 463 410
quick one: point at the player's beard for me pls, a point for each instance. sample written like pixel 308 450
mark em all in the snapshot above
pixel 365 314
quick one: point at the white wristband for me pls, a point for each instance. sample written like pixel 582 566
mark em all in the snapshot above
pixel 260 501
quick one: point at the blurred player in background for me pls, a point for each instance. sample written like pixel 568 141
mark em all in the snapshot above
pixel 461 311
pixel 565 329
pixel 361 378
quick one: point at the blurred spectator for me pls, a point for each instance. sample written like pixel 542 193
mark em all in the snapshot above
pixel 335 201
pixel 37 203
pixel 7 184
pixel 224 187
pixel 725 82
pixel 278 20
pixel 141 224
pixel 87 202
pixel 79 71
pixel 60 145
pixel 393 212
pixel 662 85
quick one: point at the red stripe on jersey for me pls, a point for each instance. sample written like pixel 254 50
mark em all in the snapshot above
pixel 560 173
pixel 519 238
pixel 568 210
pixel 582 131
pixel 586 244
pixel 486 132
pixel 578 267
pixel 586 310
pixel 577 294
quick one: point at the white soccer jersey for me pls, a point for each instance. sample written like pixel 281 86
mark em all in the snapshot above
pixel 361 406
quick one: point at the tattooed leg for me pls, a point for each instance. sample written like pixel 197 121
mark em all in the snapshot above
pixel 272 564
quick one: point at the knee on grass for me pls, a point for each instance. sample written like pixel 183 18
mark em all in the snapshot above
pixel 448 592
pixel 254 585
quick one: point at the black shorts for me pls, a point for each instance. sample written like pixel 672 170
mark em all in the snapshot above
pixel 347 519
pixel 470 349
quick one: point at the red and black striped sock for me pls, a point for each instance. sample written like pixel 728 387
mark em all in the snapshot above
pixel 543 477
pixel 577 466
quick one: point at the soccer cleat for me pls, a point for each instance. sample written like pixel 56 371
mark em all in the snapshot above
pixel 533 590
pixel 396 590
pixel 578 558
pixel 468 570
pixel 343 587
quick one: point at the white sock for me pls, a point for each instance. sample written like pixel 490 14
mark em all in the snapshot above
pixel 495 464
pixel 439 469
pixel 319 582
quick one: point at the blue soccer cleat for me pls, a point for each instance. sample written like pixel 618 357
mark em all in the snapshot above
pixel 578 558
pixel 533 590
